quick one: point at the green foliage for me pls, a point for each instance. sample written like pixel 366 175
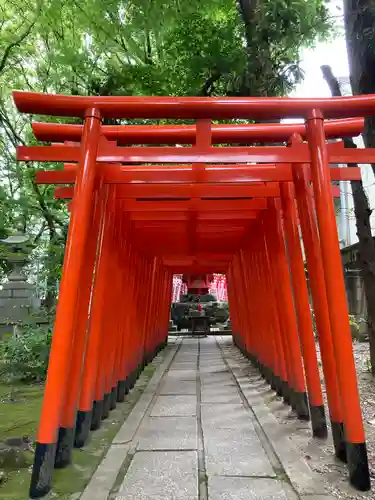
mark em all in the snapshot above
pixel 138 47
pixel 25 354
pixel 355 324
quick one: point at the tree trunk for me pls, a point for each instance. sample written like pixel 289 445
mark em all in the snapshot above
pixel 366 243
pixel 359 16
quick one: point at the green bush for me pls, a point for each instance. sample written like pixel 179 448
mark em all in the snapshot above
pixel 25 355
pixel 354 323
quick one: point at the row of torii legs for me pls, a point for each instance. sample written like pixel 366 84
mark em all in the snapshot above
pixel 115 291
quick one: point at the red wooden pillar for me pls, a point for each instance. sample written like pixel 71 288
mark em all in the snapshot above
pixel 234 313
pixel 161 302
pixel 125 263
pixel 91 399
pixel 144 306
pixel 149 311
pixel 165 300
pixel 165 315
pixel 133 326
pixel 90 410
pixel 265 272
pixel 233 308
pixel 241 306
pixel 306 211
pixel 59 361
pixel 139 314
pixel 286 311
pixel 264 311
pixel 338 309
pixel 101 317
pixel 248 286
pixel 118 301
pixel 257 345
pixel 69 411
pixel 302 307
pixel 111 314
pixel 275 280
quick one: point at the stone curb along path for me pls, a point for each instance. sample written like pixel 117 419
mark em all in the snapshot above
pixel 202 431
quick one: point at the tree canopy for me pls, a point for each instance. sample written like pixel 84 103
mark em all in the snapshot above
pixel 138 47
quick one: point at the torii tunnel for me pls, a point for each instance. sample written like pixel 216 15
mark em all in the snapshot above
pixel 144 208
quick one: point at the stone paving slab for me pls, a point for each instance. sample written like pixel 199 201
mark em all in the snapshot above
pixel 233 454
pixel 217 380
pixel 241 488
pixel 224 394
pixel 161 476
pixel 178 387
pixel 175 406
pixel 168 433
pixel 182 374
pixel 231 416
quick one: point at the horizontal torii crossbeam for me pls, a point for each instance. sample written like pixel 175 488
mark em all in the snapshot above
pixel 114 174
pixel 186 134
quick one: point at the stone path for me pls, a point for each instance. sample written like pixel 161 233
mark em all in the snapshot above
pixel 195 435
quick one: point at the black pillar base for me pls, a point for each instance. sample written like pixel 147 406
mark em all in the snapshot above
pixel 270 377
pixel 273 382
pixel 293 403
pixel 113 398
pixel 64 447
pixel 302 406
pixel 97 412
pixel 121 391
pixel 339 443
pixel 106 405
pixel 318 421
pixel 132 379
pixel 83 424
pixel 278 386
pixel 285 390
pixel 359 475
pixel 41 477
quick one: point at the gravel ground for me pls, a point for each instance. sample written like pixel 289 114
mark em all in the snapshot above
pixel 319 453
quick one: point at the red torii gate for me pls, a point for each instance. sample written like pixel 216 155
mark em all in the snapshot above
pixel 188 212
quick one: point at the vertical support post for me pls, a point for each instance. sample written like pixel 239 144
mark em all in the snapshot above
pixel 272 271
pixel 264 269
pixel 287 312
pixel 302 306
pixel 99 319
pixel 311 245
pixel 59 360
pixel 124 268
pixel 265 309
pixel 68 419
pixel 338 309
pixel 243 310
pixel 116 328
pixel 89 411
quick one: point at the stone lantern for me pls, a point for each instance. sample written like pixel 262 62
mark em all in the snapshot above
pixel 18 301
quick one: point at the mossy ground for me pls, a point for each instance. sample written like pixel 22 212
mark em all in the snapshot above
pixel 19 414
